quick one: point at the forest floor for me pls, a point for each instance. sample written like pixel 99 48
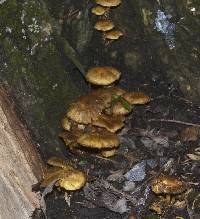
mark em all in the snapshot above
pixel 159 138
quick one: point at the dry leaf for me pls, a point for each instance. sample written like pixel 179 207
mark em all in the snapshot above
pixel 189 134
pixel 193 156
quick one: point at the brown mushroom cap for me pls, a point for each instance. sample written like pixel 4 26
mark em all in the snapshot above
pixel 74 180
pixel 113 34
pixel 104 25
pixel 106 94
pixel 60 162
pixel 86 109
pixel 102 75
pixel 108 3
pixel 111 123
pixel 119 109
pixel 99 139
pixel 99 10
pixel 167 185
pixel 66 124
pixel 136 98
pixel 68 178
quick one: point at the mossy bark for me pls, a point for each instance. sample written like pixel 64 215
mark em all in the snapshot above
pixel 34 69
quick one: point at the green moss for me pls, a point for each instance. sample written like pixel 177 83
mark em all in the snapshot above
pixel 33 69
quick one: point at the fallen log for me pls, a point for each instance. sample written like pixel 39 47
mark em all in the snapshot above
pixel 20 164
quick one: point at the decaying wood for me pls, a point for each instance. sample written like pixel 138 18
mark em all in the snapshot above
pixel 20 165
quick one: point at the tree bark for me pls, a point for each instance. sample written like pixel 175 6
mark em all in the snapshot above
pixel 20 165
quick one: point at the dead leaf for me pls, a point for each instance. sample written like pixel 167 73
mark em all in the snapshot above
pixel 116 176
pixel 189 134
pixel 193 156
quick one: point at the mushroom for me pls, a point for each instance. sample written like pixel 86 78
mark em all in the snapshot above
pixel 167 185
pixel 119 109
pixel 66 124
pixel 70 138
pixel 99 139
pixel 99 10
pixel 66 175
pixel 104 25
pixel 136 98
pixel 113 35
pixel 86 108
pixel 108 3
pixel 111 123
pixel 108 153
pixel 102 75
pixel 60 162
pixel 107 94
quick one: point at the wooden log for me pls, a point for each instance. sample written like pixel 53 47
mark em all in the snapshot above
pixel 20 164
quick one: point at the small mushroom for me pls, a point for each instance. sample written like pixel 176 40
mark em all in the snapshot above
pixel 111 123
pixel 119 109
pixel 99 139
pixel 136 98
pixel 107 93
pixel 167 185
pixel 86 108
pixel 99 10
pixel 66 175
pixel 66 124
pixel 113 34
pixel 108 153
pixel 73 180
pixel 108 3
pixel 102 75
pixel 104 25
pixel 59 162
pixel 161 205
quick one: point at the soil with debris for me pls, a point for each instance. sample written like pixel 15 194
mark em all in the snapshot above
pixel 148 148
pixel 154 141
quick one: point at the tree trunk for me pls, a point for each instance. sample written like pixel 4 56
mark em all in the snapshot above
pixel 20 165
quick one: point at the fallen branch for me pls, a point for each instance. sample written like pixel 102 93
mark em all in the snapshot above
pixel 174 121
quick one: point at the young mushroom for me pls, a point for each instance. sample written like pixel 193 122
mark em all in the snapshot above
pixel 67 176
pixel 100 139
pixel 104 25
pixel 113 35
pixel 167 185
pixel 107 93
pixel 108 153
pixel 86 108
pixel 105 75
pixel 119 109
pixel 99 10
pixel 136 98
pixel 111 123
pixel 108 3
pixel 66 123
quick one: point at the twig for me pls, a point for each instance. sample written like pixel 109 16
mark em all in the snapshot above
pixel 106 159
pixel 174 121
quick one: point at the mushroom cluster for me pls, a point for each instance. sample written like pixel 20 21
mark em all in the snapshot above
pixel 93 120
pixel 105 25
pixel 66 175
